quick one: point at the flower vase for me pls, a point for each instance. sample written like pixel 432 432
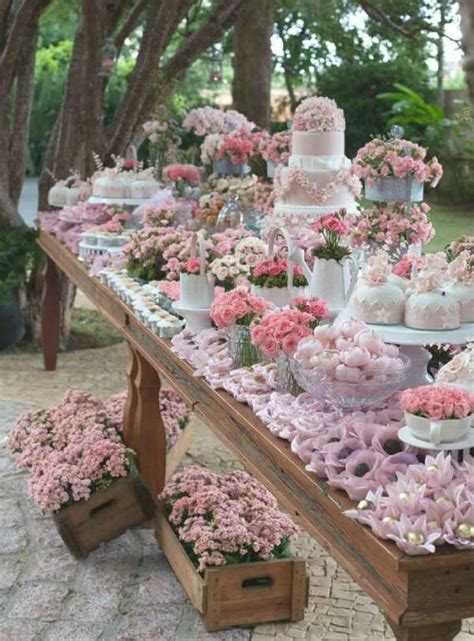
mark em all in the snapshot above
pixel 333 281
pixel 438 431
pixel 196 291
pixel 285 380
pixel 271 169
pixel 391 189
pixel 225 167
pixel 241 350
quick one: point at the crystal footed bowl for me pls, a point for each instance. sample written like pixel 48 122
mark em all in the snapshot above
pixel 369 393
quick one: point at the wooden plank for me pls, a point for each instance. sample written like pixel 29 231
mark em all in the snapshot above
pixel 176 453
pixel 183 568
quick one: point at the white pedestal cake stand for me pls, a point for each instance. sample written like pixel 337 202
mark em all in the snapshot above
pixel 412 342
pixel 129 202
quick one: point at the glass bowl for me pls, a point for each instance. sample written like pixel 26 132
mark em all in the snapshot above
pixel 363 395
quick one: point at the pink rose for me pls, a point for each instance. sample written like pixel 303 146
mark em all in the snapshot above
pixel 290 343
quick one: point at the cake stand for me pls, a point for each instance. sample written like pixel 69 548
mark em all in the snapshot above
pixel 412 342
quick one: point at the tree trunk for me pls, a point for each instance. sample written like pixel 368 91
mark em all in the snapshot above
pixel 251 86
pixel 466 10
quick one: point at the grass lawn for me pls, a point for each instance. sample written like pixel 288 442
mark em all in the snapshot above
pixel 450 223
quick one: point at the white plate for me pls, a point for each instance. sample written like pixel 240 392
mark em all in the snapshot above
pixel 406 436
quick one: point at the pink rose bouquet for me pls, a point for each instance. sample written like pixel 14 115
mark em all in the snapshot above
pixel 280 331
pixel 238 146
pixel 395 157
pixel 237 307
pixel 182 176
pixel 391 225
pixel 316 307
pixel 242 521
pixel 192 266
pixel 333 228
pixel 273 272
pixel 437 402
pixel 404 267
pixel 229 271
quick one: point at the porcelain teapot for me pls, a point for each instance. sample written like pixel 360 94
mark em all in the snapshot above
pixel 330 279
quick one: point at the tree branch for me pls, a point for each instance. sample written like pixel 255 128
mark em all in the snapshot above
pixel 130 23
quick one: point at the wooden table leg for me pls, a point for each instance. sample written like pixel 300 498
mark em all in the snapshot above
pixel 148 429
pixel 435 632
pixel 50 315
pixel 130 411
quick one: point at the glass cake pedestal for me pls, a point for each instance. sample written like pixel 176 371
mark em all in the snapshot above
pixel 412 343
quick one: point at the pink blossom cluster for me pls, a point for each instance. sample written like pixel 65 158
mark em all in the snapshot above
pixel 185 172
pixel 276 148
pixel 170 289
pixel 318 114
pixel 437 402
pixel 348 351
pixel 264 197
pixel 71 450
pixel 250 250
pixel 223 519
pixel 403 267
pixel 464 243
pixel 395 157
pixel 191 266
pixel 222 243
pixel 392 224
pixel 331 223
pixel 273 272
pixel 239 145
pixel 237 307
pixel 159 215
pixel 317 307
pixel 430 504
pixel 280 331
pixel 207 120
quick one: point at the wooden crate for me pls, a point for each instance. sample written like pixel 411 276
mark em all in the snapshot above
pixel 245 594
pixel 178 451
pixel 105 515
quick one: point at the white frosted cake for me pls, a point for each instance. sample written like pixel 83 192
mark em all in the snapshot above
pixel 317 180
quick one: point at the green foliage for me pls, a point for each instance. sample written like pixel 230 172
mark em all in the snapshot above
pixel 355 88
pixel 19 254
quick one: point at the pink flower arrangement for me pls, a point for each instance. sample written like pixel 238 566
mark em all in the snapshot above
pixel 317 307
pixel 238 146
pixel 223 519
pixel 437 402
pixel 273 272
pixel 277 148
pixel 170 289
pixel 264 197
pixel 178 171
pixel 318 114
pixel 332 228
pixel 281 331
pixel 395 157
pixel 461 269
pixel 237 307
pixel 377 269
pixel 432 273
pixel 207 120
pixel 159 215
pixel 391 225
pixel 464 243
pixel 404 267
pixel 191 266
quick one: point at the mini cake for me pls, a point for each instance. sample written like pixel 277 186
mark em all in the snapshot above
pixel 376 300
pixel 318 179
pixel 108 184
pixel 57 195
pixel 459 371
pixel 432 310
pixel 143 185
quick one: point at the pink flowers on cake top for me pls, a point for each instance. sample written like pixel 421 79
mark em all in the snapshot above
pixel 237 307
pixel 437 402
pixel 224 519
pixel 377 269
pixel 318 114
pixel 395 157
pixel 178 171
pixel 281 331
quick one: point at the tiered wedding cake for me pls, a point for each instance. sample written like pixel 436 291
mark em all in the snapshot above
pixel 318 179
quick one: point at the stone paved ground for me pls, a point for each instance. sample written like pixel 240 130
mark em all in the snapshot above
pixel 125 591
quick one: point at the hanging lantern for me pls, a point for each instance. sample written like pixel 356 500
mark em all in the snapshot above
pixel 215 73
pixel 108 58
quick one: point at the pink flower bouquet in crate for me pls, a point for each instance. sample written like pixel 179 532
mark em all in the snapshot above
pixel 235 311
pixel 279 333
pixel 182 176
pixel 243 523
pixel 395 170
pixel 270 279
pixel 438 413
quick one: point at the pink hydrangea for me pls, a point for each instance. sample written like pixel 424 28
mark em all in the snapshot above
pixel 237 307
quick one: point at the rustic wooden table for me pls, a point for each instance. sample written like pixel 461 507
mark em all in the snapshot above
pixel 424 598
